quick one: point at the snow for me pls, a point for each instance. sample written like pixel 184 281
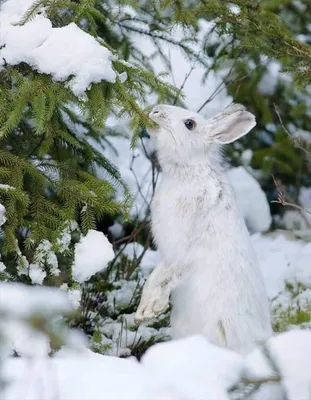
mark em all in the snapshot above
pixel 92 254
pixel 2 215
pixel 22 301
pixel 36 274
pixel 196 368
pixel 299 219
pixel 33 315
pixel 116 230
pixel 246 156
pixel 188 74
pixel 6 187
pixel 44 255
pixel 290 354
pixel 74 296
pixel 269 80
pixel 64 240
pixel 190 368
pixel 282 259
pixel 302 135
pixel 133 165
pixel 149 260
pixel 80 377
pixel 251 199
pixel 66 52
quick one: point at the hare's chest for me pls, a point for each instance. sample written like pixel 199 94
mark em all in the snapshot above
pixel 176 216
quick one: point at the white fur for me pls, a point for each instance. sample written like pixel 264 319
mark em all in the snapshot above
pixel 208 263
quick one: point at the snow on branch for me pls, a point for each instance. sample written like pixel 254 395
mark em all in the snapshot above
pixel 92 254
pixel 66 53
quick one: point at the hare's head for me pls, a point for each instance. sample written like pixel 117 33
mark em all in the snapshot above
pixel 183 136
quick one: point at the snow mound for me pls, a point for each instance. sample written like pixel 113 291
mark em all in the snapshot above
pixel 196 368
pixel 65 53
pixel 287 356
pixel 92 254
pixel 190 368
pixel 251 199
pixel 282 260
pixel 79 377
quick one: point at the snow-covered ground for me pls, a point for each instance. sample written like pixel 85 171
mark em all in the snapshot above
pixel 189 369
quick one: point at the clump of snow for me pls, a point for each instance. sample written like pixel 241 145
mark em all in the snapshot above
pixel 66 52
pixel 36 274
pixel 251 199
pixel 116 230
pixel 2 215
pixel 269 80
pixel 92 254
pixel 44 255
pixel 3 186
pixel 2 267
pixel 64 240
pixel 246 156
pixel 74 295
pixel 234 9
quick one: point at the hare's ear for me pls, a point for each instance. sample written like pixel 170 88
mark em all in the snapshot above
pixel 231 124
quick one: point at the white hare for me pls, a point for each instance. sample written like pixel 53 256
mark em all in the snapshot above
pixel 207 260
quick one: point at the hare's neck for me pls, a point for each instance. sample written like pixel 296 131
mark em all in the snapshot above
pixel 197 166
pixel 189 171
pixel 197 169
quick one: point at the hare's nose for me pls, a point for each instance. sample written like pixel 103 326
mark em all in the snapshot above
pixel 158 113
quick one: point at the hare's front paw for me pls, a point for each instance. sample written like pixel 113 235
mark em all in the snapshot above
pixel 153 302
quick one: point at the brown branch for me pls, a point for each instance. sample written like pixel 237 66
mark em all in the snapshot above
pixel 283 200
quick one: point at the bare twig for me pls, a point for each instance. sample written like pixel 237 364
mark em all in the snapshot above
pixel 184 82
pixel 282 198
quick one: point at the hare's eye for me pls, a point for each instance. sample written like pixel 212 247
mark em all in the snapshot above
pixel 190 124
